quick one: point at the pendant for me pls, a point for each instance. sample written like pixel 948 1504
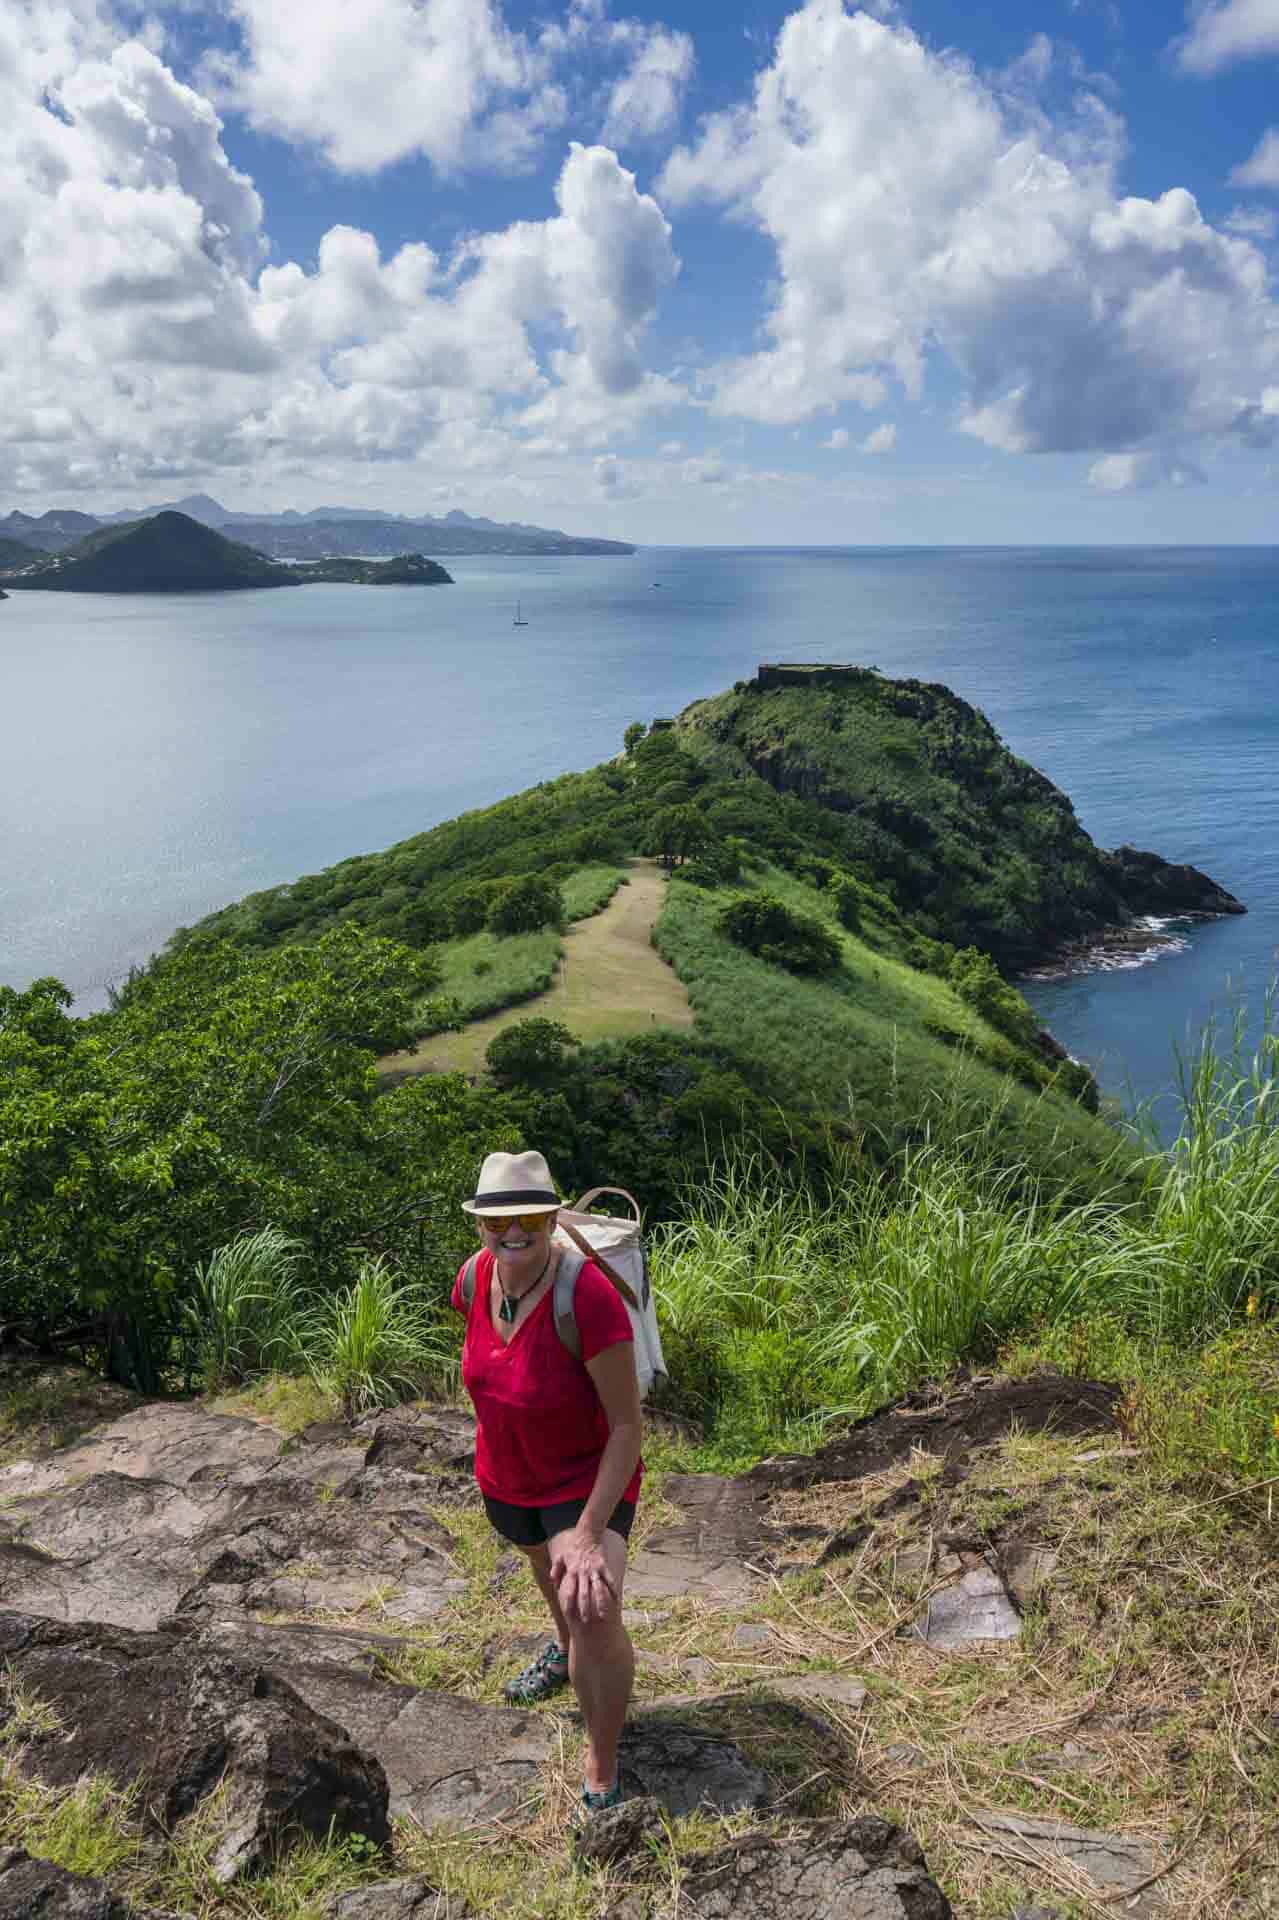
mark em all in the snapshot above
pixel 508 1309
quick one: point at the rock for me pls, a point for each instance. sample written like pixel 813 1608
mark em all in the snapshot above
pixel 180 1722
pixel 752 1634
pixel 31 1888
pixel 1026 1572
pixel 820 1689
pixel 713 1552
pixel 602 1839
pixel 165 1440
pixel 1114 1860
pixel 399 1900
pixel 298 1642
pixel 310 1531
pixel 862 1869
pixel 684 1767
pixel 37 1890
pixel 976 1608
pixel 449 1762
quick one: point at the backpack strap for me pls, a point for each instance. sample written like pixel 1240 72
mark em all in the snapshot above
pixel 468 1281
pixel 566 1273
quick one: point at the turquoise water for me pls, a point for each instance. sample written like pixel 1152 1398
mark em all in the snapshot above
pixel 159 757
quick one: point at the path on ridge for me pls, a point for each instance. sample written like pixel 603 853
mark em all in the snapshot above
pixel 610 982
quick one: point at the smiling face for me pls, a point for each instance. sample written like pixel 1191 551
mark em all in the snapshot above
pixel 521 1244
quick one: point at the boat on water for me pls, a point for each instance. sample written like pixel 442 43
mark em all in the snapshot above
pixel 518 621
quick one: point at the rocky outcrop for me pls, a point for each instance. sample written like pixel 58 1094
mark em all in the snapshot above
pixel 862 1869
pixel 150 1711
pixel 1150 884
pixel 38 1890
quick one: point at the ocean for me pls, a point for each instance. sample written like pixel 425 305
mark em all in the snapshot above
pixel 162 756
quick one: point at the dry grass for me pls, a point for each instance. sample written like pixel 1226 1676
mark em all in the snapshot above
pixel 1142 1697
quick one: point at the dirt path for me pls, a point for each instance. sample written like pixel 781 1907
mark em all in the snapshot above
pixel 610 982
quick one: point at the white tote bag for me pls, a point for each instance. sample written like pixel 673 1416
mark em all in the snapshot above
pixel 617 1248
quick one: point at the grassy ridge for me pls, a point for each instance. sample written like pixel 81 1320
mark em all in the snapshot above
pixel 890 1050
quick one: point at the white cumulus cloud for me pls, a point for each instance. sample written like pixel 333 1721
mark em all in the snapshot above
pixel 1232 30
pixel 838 440
pixel 1261 168
pixel 142 340
pixel 881 440
pixel 646 100
pixel 915 209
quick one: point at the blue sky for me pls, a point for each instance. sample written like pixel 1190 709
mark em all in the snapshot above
pixel 681 274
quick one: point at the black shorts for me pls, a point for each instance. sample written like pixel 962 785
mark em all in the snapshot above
pixel 534 1526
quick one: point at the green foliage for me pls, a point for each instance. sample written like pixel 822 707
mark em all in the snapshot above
pixel 862 1048
pixel 531 1052
pixel 242 1307
pixel 229 1090
pixel 677 831
pixel 376 1341
pixel 977 979
pixel 523 906
pixel 633 735
pixel 910 788
pixel 800 942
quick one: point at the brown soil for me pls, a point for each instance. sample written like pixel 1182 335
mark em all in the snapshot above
pixel 970 1412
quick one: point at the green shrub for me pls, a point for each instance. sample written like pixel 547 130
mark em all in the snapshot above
pixel 977 979
pixel 524 906
pixel 797 941
pixel 243 1306
pixel 374 1342
pixel 529 1053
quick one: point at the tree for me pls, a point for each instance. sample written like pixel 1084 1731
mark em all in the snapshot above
pixel 677 833
pixel 530 1053
pixel 525 905
pixel 797 941
pixel 231 1090
pixel 633 735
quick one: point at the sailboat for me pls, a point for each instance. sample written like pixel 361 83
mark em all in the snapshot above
pixel 518 621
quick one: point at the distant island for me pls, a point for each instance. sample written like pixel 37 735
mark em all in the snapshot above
pixel 321 533
pixel 172 553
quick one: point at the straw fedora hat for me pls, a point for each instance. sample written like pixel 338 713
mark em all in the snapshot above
pixel 513 1183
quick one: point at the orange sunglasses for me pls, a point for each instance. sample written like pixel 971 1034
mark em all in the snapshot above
pixel 531 1222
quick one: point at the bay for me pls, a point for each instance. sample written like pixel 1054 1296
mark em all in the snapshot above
pixel 161 756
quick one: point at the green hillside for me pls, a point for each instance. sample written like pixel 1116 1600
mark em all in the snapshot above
pixel 919 793
pixel 169 553
pixel 14 554
pixel 887 813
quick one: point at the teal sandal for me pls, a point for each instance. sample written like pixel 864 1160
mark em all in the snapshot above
pixel 541 1678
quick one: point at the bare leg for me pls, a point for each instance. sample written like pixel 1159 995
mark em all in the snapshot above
pixel 539 1559
pixel 601 1665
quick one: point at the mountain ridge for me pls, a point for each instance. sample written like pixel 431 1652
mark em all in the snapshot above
pixel 319 532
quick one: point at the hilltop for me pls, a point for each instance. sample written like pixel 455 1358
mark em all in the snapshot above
pixel 172 553
pixel 168 554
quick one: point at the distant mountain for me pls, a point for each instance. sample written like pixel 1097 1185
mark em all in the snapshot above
pixel 17 553
pixel 172 553
pixel 321 532
pixel 168 553
pixel 48 532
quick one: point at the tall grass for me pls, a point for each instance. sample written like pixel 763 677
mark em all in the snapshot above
pixel 779 1310
pixel 244 1305
pixel 374 1342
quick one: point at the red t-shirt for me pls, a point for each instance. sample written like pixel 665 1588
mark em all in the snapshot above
pixel 540 1425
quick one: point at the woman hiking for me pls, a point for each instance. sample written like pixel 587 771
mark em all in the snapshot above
pixel 557 1445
